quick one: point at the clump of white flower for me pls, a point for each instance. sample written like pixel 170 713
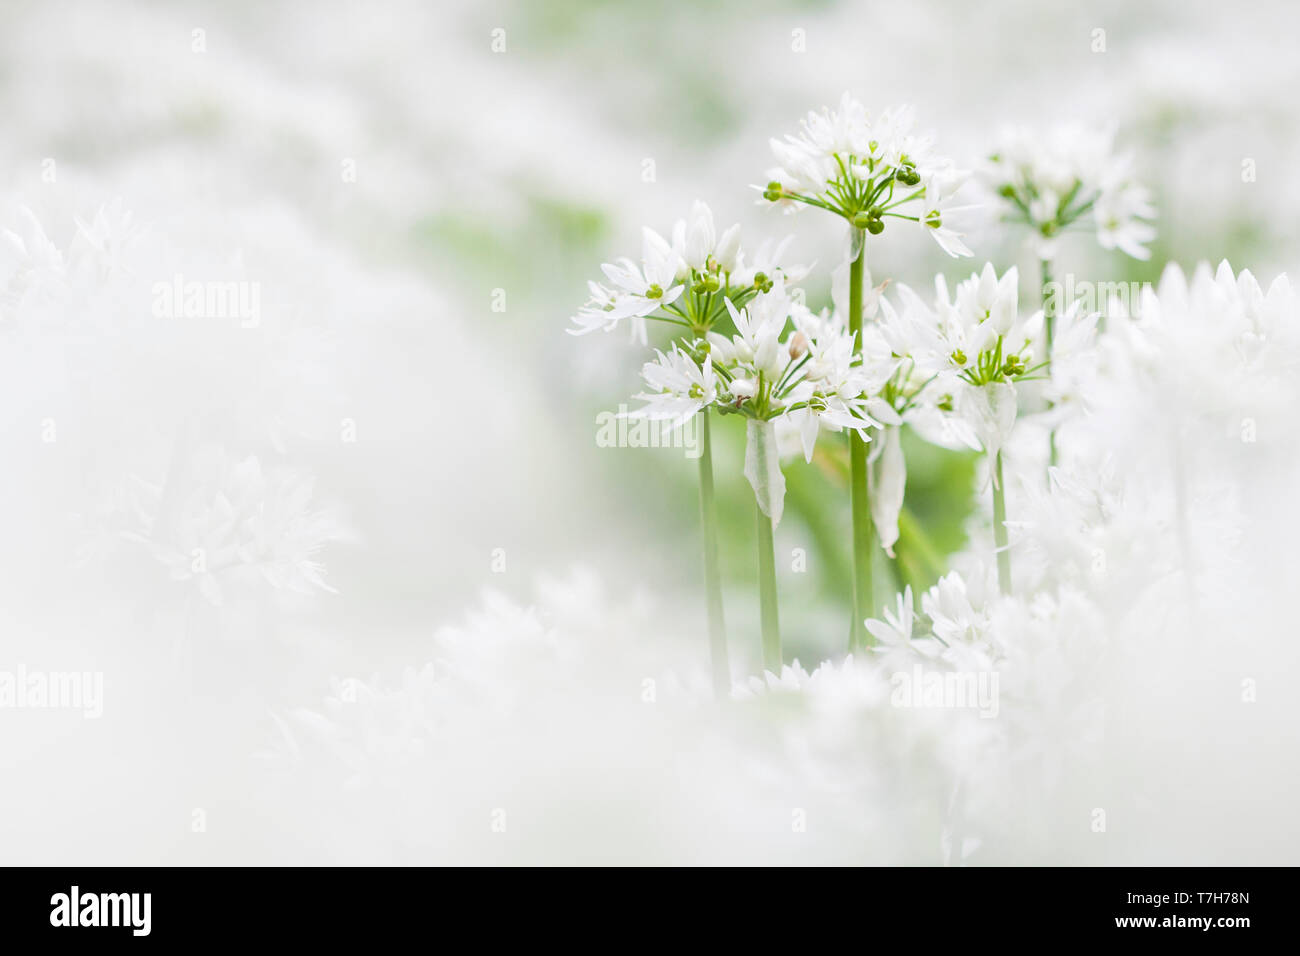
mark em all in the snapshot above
pixel 781 364
pixel 867 169
pixel 220 522
pixel 975 345
pixel 1053 180
pixel 683 281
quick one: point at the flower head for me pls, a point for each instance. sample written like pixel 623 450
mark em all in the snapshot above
pixel 684 280
pixel 1051 181
pixel 867 169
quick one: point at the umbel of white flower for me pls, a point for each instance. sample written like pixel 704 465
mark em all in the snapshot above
pixel 976 347
pixel 971 347
pixel 682 281
pixel 693 281
pixel 1054 179
pixel 805 377
pixel 867 169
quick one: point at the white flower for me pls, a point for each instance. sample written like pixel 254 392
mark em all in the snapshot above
pixel 1119 215
pixel 952 617
pixel 636 291
pixel 695 237
pixel 767 262
pixel 32 268
pixel 866 170
pixel 727 251
pixel 680 387
pixel 940 185
pixel 895 630
pixel 757 343
pixel 101 245
pixel 1050 179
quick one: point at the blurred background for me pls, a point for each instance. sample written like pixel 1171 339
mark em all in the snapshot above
pixel 420 191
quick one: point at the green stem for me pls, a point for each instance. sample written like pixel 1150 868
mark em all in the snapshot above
pixel 1049 325
pixel 1049 312
pixel 1000 526
pixel 712 580
pixel 863 603
pixel 767 594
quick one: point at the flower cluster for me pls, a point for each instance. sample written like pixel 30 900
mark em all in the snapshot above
pixel 781 363
pixel 781 360
pixel 949 366
pixel 684 281
pixel 867 169
pixel 1051 181
pixel 972 346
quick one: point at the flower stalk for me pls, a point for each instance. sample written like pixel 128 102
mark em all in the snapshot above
pixel 1049 329
pixel 859 503
pixel 719 663
pixel 1000 526
pixel 767 605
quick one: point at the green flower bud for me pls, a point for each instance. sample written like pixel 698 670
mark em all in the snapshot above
pixel 860 220
pixel 875 227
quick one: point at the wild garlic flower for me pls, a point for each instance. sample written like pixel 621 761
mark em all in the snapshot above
pixel 867 169
pixel 1051 181
pixel 807 373
pixel 976 346
pixel 680 387
pixel 949 629
pixel 235 523
pixel 781 363
pixel 683 281
pixel 1213 353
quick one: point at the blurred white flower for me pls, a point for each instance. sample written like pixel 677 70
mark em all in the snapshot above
pixel 222 519
pixel 1049 180
pixel 680 387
